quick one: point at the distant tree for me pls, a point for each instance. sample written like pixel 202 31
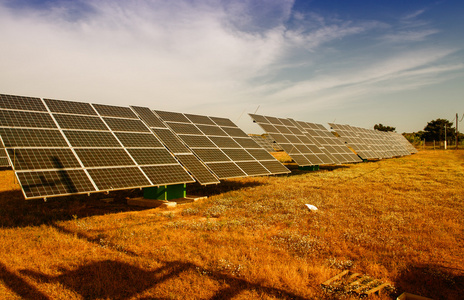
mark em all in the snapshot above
pixel 435 130
pixel 414 137
pixel 381 127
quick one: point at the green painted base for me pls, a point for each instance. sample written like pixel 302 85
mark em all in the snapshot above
pixel 364 160
pixel 309 168
pixel 166 192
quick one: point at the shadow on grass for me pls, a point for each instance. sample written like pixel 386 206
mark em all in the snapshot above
pixel 20 286
pixel 432 281
pixel 223 187
pixel 15 211
pixel 118 280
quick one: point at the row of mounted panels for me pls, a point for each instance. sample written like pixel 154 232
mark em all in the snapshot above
pixel 373 144
pixel 61 147
pixel 312 144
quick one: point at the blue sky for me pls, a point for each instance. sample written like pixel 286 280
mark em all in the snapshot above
pixel 399 63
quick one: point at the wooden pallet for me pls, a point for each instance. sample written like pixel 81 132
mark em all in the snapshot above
pixel 348 282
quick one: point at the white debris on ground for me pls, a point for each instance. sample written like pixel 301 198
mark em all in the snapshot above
pixel 311 207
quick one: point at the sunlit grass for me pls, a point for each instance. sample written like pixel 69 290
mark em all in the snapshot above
pixel 397 220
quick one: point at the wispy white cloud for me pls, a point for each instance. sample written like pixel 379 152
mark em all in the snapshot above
pixel 211 56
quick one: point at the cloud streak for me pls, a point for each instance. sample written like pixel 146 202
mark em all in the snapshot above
pixel 212 57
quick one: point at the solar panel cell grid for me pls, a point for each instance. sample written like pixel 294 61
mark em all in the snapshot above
pixel 211 130
pixel 170 174
pixel 252 143
pixel 274 166
pixel 126 125
pixel 79 122
pixel 70 107
pixel 115 111
pixel 234 132
pixel 118 178
pixel 94 139
pixel 17 137
pixel 104 157
pixel 152 156
pixel 252 168
pixel 148 117
pixel 183 128
pixel 21 103
pixel 138 140
pixel 223 122
pixel 12 118
pixel 197 141
pixel 172 116
pixel 225 142
pixel 171 141
pixel 259 119
pixel 50 183
pixel 37 159
pixel 260 154
pixel 197 169
pixel 197 119
pixel 4 161
pixel 226 170
pixel 238 154
pixel 211 155
pixel 269 128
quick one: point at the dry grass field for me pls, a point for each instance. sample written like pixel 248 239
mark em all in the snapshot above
pixel 397 220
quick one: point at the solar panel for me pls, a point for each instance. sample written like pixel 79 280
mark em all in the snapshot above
pixel 27 119
pixel 151 156
pixel 354 140
pixel 20 137
pixel 148 117
pixel 197 168
pixel 99 139
pixel 42 159
pixel 115 111
pixel 167 174
pixel 228 142
pixel 119 178
pixel 406 145
pixel 197 141
pixel 225 170
pixel 329 143
pixel 174 143
pixel 4 162
pixel 70 107
pixel 66 121
pixel 61 147
pixel 298 145
pixel 369 143
pixel 125 125
pixel 21 103
pixel 132 139
pixel 37 184
pixel 219 144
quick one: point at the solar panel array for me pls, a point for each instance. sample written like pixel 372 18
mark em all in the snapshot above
pixel 197 168
pixel 265 142
pixel 329 142
pixel 403 142
pixel 373 144
pixel 298 144
pixel 62 147
pixel 353 140
pixel 223 147
pixel 3 156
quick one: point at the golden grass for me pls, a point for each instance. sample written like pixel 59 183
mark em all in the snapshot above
pixel 398 220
